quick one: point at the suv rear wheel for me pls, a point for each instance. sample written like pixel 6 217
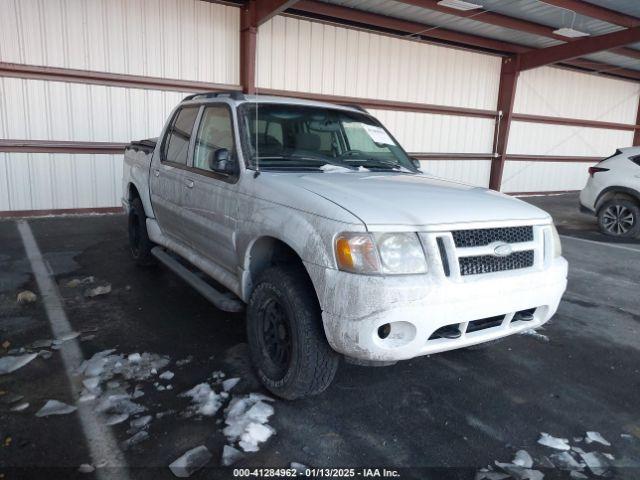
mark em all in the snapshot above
pixel 619 217
pixel 138 237
pixel 286 340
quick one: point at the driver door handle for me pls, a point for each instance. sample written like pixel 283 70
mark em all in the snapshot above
pixel 188 183
pixel 156 172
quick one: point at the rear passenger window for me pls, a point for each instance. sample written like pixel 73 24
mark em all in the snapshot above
pixel 176 145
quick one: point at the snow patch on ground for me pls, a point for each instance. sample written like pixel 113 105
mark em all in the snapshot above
pixel 204 399
pixel 533 333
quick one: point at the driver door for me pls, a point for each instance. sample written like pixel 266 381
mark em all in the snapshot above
pixel 210 199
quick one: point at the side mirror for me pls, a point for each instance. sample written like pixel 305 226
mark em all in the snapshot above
pixel 219 161
pixel 416 162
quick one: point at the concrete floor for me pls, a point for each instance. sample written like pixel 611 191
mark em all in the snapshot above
pixel 443 416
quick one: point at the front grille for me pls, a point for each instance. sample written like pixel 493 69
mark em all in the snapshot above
pixel 490 263
pixel 485 236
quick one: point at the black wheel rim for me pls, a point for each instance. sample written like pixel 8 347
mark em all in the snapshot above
pixel 275 336
pixel 134 233
pixel 618 219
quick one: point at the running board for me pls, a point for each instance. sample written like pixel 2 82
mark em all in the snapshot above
pixel 219 299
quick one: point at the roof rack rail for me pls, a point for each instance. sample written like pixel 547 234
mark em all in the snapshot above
pixel 235 95
pixel 357 107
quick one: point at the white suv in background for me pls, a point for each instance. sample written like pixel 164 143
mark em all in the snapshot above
pixel 613 193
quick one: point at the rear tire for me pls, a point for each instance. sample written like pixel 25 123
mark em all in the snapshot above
pixel 619 218
pixel 138 237
pixel 288 348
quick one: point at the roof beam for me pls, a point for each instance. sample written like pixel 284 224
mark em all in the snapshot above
pixel 491 18
pixel 597 12
pixel 603 68
pixel 497 19
pixel 267 9
pixel 395 24
pixel 569 51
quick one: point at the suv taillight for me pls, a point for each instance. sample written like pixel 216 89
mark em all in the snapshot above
pixel 594 170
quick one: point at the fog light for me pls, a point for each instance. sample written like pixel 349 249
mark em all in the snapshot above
pixel 384 330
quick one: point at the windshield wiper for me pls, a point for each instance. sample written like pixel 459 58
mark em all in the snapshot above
pixel 302 158
pixel 379 163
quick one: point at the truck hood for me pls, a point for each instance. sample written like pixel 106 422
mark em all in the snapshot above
pixel 412 200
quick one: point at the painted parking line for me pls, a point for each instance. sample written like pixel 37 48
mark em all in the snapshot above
pixel 102 445
pixel 612 245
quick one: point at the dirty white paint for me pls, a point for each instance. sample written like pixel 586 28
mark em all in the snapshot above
pixel 99 439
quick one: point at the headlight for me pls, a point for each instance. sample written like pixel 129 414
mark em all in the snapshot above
pixel 391 253
pixel 557 246
pixel 401 253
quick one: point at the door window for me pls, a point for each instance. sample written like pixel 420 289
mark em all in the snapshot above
pixel 215 133
pixel 176 145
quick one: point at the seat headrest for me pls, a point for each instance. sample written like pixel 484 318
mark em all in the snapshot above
pixel 307 141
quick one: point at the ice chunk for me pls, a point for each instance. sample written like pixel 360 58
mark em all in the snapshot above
pixel 490 475
pixel 41 344
pixel 86 397
pixel 520 473
pixel 538 336
pixel 99 290
pixel 184 361
pixel 10 364
pixel 134 358
pixel 20 407
pixel 140 422
pixel 116 418
pixel 168 375
pixel 553 442
pixel 190 462
pixel 245 419
pixel 626 436
pixel 577 475
pixel 11 398
pixel 91 383
pixel 596 437
pixel 44 354
pixel 86 468
pixel 254 434
pixel 66 338
pixel 120 403
pixel 230 455
pixel 141 436
pixel 523 459
pixel 597 462
pixel 76 282
pixel 565 461
pixel 229 383
pixel 206 401
pixel 26 296
pixel 54 407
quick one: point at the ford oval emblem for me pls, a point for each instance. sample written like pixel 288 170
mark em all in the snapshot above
pixel 502 250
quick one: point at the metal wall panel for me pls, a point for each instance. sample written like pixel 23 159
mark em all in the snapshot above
pixel 295 54
pixel 528 138
pixel 181 39
pixel 46 110
pixel 43 181
pixel 471 172
pixel 559 92
pixel 544 176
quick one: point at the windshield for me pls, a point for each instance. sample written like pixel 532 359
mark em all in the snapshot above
pixel 280 136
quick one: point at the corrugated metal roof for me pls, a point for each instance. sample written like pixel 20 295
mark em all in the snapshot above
pixel 535 11
pixel 628 7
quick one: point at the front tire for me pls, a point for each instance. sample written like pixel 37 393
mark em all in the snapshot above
pixel 138 237
pixel 619 218
pixel 288 348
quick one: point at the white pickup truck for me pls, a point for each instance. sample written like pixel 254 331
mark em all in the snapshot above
pixel 313 217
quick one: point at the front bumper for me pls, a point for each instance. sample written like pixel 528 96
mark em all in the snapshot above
pixel 356 306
